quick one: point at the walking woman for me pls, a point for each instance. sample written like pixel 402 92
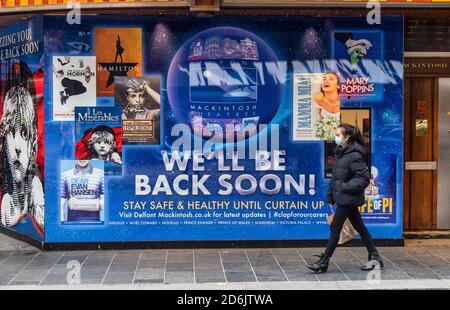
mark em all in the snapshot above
pixel 346 190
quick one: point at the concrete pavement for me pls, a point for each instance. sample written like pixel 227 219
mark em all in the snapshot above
pixel 420 264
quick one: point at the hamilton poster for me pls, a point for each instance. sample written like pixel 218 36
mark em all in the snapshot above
pixel 119 53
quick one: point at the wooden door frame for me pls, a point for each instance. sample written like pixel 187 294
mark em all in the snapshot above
pixel 427 73
pixel 407 134
pixel 406 152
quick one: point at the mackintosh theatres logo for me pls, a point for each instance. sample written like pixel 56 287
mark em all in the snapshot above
pixel 119 53
pixel 223 83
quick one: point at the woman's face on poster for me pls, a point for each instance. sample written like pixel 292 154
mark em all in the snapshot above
pixel 330 83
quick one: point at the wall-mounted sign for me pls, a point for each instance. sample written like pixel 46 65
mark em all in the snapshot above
pixel 421 106
pixel 421 127
pixel 225 161
pixel 426 66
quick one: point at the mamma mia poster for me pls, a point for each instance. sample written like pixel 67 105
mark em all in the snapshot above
pixel 247 110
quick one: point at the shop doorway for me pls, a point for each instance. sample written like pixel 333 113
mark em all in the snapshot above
pixel 420 153
pixel 426 194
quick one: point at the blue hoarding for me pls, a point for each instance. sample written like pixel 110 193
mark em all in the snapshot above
pixel 234 117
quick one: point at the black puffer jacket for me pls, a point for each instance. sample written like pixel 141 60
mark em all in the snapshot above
pixel 350 176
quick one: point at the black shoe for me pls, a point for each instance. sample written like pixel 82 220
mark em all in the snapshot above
pixel 374 262
pixel 321 265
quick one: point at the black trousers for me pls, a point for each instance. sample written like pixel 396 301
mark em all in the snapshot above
pixel 341 214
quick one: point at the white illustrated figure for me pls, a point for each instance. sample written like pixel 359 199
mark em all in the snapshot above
pixel 23 191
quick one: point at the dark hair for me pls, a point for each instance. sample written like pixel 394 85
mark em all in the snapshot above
pixel 19 74
pixel 103 128
pixel 353 133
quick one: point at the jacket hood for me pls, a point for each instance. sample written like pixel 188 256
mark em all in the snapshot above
pixel 355 147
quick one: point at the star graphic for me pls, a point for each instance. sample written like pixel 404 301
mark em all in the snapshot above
pixel 117 69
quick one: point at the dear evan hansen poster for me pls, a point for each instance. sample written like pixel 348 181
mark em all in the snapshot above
pixel 245 70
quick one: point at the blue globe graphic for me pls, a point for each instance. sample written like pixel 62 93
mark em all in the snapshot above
pixel 222 83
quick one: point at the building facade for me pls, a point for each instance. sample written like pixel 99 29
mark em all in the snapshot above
pixel 108 96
